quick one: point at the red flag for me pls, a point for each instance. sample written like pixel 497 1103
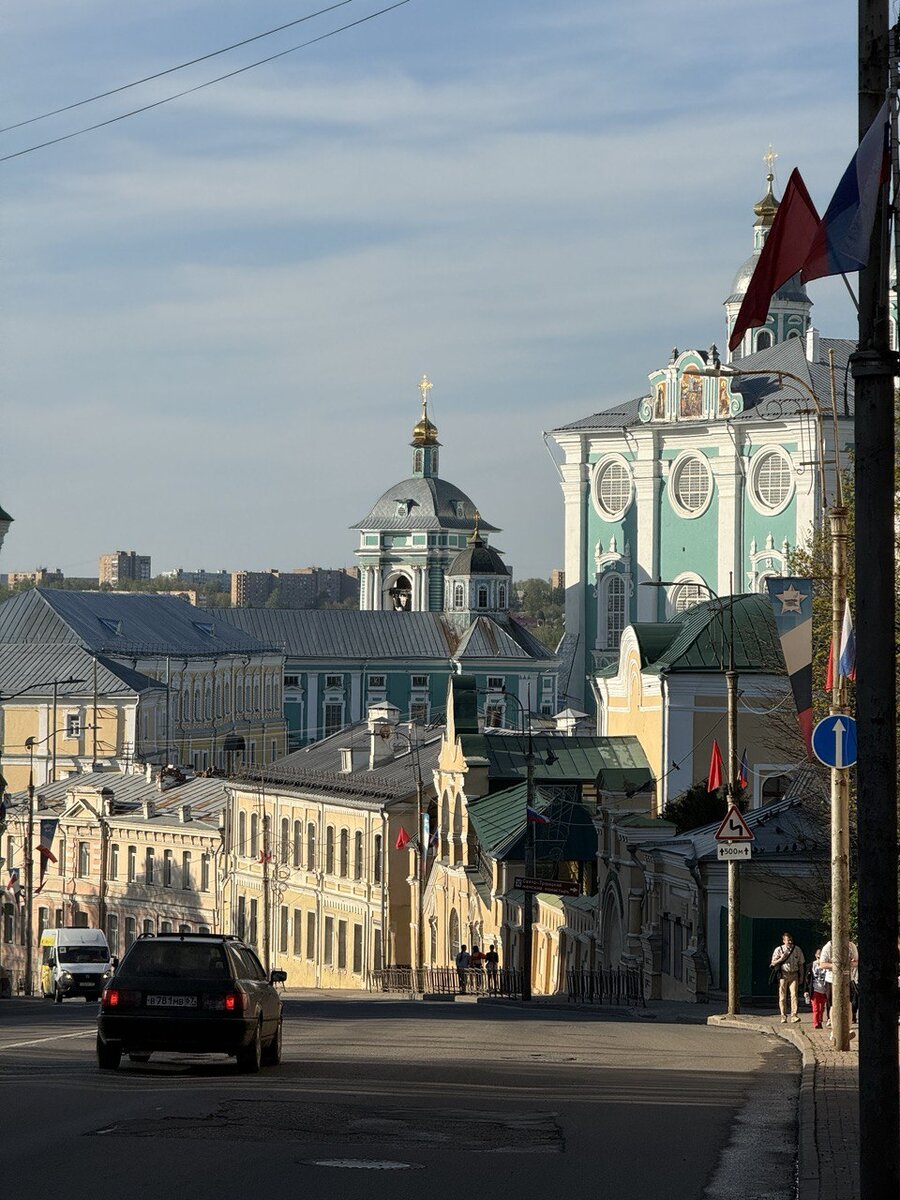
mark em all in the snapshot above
pixel 829 673
pixel 403 839
pixel 783 255
pixel 715 768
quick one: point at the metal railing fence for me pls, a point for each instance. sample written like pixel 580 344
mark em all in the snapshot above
pixel 606 985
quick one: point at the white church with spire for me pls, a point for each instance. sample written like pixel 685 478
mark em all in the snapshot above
pixel 705 482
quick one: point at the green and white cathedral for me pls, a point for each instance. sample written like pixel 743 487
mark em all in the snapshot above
pixel 704 482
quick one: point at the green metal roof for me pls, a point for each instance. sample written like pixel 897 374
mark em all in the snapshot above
pixel 615 764
pixel 499 823
pixel 703 640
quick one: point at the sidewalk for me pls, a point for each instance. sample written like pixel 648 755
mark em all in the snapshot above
pixel 829 1106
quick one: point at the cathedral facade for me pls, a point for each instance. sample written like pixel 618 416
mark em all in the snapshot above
pixel 701 486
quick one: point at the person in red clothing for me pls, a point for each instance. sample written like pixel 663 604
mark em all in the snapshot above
pixel 816 990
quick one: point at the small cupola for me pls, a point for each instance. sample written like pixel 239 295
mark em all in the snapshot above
pixel 425 438
pixel 478 579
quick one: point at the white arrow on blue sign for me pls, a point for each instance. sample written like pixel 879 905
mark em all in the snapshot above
pixel 834 741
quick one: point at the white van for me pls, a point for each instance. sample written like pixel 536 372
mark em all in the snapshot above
pixel 74 962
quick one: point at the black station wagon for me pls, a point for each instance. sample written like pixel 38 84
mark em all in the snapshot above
pixel 192 994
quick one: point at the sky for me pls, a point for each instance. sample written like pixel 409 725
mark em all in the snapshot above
pixel 214 315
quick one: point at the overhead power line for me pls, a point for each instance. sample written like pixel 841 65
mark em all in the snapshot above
pixel 200 86
pixel 54 112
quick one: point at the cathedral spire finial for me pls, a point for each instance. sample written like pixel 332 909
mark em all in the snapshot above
pixel 769 159
pixel 425 434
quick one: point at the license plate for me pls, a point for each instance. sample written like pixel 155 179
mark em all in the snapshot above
pixel 171 1001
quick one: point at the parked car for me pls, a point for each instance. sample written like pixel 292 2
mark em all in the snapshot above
pixel 193 993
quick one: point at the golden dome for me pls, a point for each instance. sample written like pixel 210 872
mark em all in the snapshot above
pixel 766 208
pixel 425 433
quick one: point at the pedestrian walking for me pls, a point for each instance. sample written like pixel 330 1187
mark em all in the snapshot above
pixel 788 962
pixel 853 963
pixel 462 967
pixel 816 990
pixel 492 963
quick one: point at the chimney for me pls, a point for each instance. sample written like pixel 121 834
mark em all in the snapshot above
pixel 382 720
pixel 107 800
pixel 185 814
pixel 813 346
pixel 353 758
pixel 149 809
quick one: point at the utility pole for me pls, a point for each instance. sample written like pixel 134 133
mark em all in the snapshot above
pixel 840 794
pixel 528 897
pixel 29 874
pixel 267 914
pixel 874 369
pixel 734 871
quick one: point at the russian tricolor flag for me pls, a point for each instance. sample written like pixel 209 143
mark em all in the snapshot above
pixel 537 818
pixel 846 654
pixel 842 241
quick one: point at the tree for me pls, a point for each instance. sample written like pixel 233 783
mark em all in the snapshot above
pixel 696 807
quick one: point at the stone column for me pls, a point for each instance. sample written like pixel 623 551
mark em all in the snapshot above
pixel 647 482
pixel 730 533
pixel 575 474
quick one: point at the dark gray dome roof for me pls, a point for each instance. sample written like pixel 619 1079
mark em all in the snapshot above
pixel 478 559
pixel 431 503
pixel 792 290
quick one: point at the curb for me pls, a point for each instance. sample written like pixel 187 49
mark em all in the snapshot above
pixel 808 1167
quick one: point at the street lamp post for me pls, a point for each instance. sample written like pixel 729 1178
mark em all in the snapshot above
pixel 528 897
pixel 734 877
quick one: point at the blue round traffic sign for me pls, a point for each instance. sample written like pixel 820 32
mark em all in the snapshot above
pixel 834 741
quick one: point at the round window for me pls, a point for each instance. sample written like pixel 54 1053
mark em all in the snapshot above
pixel 612 488
pixel 691 485
pixel 772 479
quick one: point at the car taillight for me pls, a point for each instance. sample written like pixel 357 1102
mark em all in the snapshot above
pixel 231 1002
pixel 119 998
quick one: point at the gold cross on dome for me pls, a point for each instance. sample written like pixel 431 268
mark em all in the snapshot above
pixel 425 386
pixel 769 159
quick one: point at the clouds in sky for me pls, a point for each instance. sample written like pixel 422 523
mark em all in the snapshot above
pixel 213 316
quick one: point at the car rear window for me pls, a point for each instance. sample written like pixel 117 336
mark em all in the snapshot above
pixel 180 960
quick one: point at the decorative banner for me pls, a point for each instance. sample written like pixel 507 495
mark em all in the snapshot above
pixel 792 604
pixel 14 885
pixel 48 832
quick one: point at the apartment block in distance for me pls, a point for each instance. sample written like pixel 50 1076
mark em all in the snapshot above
pixel 122 565
pixel 305 587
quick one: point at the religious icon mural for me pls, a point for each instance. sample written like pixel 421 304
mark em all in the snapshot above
pixel 691 400
pixel 659 406
pixel 724 398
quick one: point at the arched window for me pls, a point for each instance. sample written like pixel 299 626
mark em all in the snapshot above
pixel 763 340
pixel 329 850
pixel 256 695
pixel 501 596
pixel 254 836
pixel 207 705
pixel 454 934
pixel 358 855
pixel 218 699
pixel 614 614
pixel 311 846
pixel 285 840
pixel 198 704
pixel 459 596
pixel 227 697
pixel 377 864
pixel 345 853
pixel 482 595
pixel 298 843
pixel 268 693
pixel 242 833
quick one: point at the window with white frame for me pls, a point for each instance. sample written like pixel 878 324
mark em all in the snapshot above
pixel 482 595
pixel 418 681
pixel 690 485
pixel 495 683
pixel 73 725
pixel 459 596
pixel 84 859
pixel 377 682
pixel 614 610
pixel 686 595
pixel 334 681
pixel 334 717
pixel 501 596
pixel 613 488
pixel 771 479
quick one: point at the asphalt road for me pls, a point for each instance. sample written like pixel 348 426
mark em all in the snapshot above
pixel 380 1098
